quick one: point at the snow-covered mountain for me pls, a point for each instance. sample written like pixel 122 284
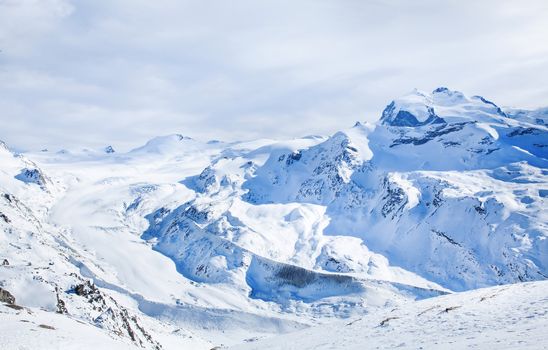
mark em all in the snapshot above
pixel 181 243
pixel 507 317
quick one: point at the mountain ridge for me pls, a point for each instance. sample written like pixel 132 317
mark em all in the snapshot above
pixel 208 243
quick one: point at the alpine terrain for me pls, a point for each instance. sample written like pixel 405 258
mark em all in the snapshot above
pixel 426 229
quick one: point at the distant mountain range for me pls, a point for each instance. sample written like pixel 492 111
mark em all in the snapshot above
pixel 186 244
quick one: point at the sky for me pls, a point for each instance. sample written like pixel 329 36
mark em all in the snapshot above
pixel 91 73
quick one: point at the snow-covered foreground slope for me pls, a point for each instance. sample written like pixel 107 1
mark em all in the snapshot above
pixel 185 244
pixel 37 329
pixel 505 317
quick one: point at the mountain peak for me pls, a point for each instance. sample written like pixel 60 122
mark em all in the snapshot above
pixel 440 89
pixel 441 106
pixel 170 137
pixel 446 97
pixel 412 110
pixel 163 144
pixel 3 146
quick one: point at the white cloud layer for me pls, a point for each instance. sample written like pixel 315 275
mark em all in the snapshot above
pixel 91 73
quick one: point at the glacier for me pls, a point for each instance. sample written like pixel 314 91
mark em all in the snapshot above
pixel 187 244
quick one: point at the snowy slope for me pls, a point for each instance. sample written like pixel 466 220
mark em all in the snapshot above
pixel 46 270
pixel 188 244
pixel 504 317
pixel 37 329
pixel 398 184
pixel 90 230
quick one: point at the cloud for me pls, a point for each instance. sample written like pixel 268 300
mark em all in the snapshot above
pixel 22 23
pixel 90 73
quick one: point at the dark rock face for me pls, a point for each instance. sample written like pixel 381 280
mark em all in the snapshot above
pixel 405 118
pixel 114 317
pixel 524 131
pixel 45 326
pixel 206 180
pixel 61 306
pixel 486 101
pixel 197 215
pixel 394 200
pixel 293 157
pixel 90 292
pixel 440 89
pixel 182 137
pixel 84 289
pixel 6 297
pixel 109 149
pixel 5 218
pixel 33 176
pixel 333 265
pixel 9 197
pixel 430 135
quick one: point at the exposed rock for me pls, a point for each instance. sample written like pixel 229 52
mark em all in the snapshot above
pixel 394 116
pixel 524 131
pixel 6 297
pixel 61 307
pixel 33 176
pixel 394 200
pixel 430 135
pixel 90 292
pixel 45 326
pixel 115 317
pixel 5 218
pixel 386 320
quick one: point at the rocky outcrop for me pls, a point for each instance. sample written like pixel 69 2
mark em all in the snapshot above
pixel 6 297
pixel 113 316
pixel 34 176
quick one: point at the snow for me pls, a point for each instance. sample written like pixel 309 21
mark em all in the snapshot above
pixel 204 244
pixel 37 329
pixel 507 317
